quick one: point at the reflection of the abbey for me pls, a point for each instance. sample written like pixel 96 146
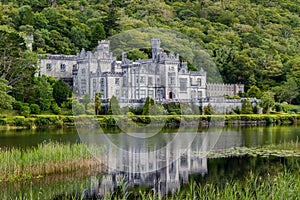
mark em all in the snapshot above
pixel 163 169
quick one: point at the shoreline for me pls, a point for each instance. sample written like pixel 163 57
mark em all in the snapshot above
pixel 170 121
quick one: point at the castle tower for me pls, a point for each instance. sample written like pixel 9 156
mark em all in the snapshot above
pixel 155 49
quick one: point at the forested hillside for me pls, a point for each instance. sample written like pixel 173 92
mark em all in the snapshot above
pixel 255 42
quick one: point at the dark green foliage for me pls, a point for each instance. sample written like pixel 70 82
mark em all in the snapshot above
pixel 17 65
pixel 98 103
pixel 136 54
pixel 61 91
pixel 35 109
pixel 98 34
pixel 267 101
pixel 208 110
pixel 5 99
pixel 247 107
pixel 25 110
pixel 55 108
pixel 254 92
pixel 114 107
pixel 148 103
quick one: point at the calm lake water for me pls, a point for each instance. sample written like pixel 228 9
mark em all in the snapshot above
pixel 163 162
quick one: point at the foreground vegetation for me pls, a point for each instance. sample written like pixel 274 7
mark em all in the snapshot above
pixel 169 121
pixel 50 158
pixel 55 158
pixel 284 185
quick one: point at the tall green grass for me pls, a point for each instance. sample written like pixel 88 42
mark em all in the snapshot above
pixel 19 164
pixel 284 185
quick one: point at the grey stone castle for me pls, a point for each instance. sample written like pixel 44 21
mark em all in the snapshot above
pixel 163 77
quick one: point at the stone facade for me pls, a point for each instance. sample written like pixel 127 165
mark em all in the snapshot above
pixel 163 77
pixel 59 66
pixel 221 89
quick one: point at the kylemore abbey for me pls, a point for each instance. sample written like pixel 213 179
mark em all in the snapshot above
pixel 163 77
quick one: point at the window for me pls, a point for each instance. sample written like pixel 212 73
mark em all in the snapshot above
pixel 142 79
pixel 158 81
pixel 62 67
pixel 125 94
pixel 150 82
pixel 150 93
pixel 94 83
pixel 193 94
pixel 137 93
pixel 125 81
pixel 143 93
pixel 199 81
pixel 172 80
pixel 183 84
pixel 83 71
pixel 102 82
pixel 199 94
pixel 83 83
pixel 117 93
pixel 117 81
pixel 49 66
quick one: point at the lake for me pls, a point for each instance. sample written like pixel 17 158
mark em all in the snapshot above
pixel 163 162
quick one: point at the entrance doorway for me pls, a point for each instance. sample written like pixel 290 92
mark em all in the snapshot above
pixel 171 95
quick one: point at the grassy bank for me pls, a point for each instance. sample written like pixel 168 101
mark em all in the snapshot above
pixel 284 185
pixel 19 164
pixel 169 121
pixel 56 158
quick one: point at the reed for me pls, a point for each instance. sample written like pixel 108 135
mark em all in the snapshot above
pixel 48 158
pixel 283 185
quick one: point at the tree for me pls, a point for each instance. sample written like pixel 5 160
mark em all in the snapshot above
pixel 267 101
pixel 78 108
pixel 61 91
pixel 288 91
pixel 98 103
pixel 17 64
pixel 136 54
pixel 114 107
pixel 40 93
pixel 90 108
pixel 5 99
pixel 86 100
pixel 247 107
pixel 98 33
pixel 208 110
pixel 254 92
pixel 148 103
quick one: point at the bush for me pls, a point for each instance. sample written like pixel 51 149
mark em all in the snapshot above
pixel 278 107
pixel 208 110
pixel 25 110
pixel 17 105
pixel 55 108
pixel 35 109
pixel 78 108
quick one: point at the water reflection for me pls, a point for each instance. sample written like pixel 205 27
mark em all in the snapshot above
pixel 159 164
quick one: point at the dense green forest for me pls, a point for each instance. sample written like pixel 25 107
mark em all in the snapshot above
pixel 254 42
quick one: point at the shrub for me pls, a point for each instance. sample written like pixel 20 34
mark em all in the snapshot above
pixel 25 110
pixel 208 110
pixel 78 108
pixel 55 108
pixel 35 109
pixel 17 105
